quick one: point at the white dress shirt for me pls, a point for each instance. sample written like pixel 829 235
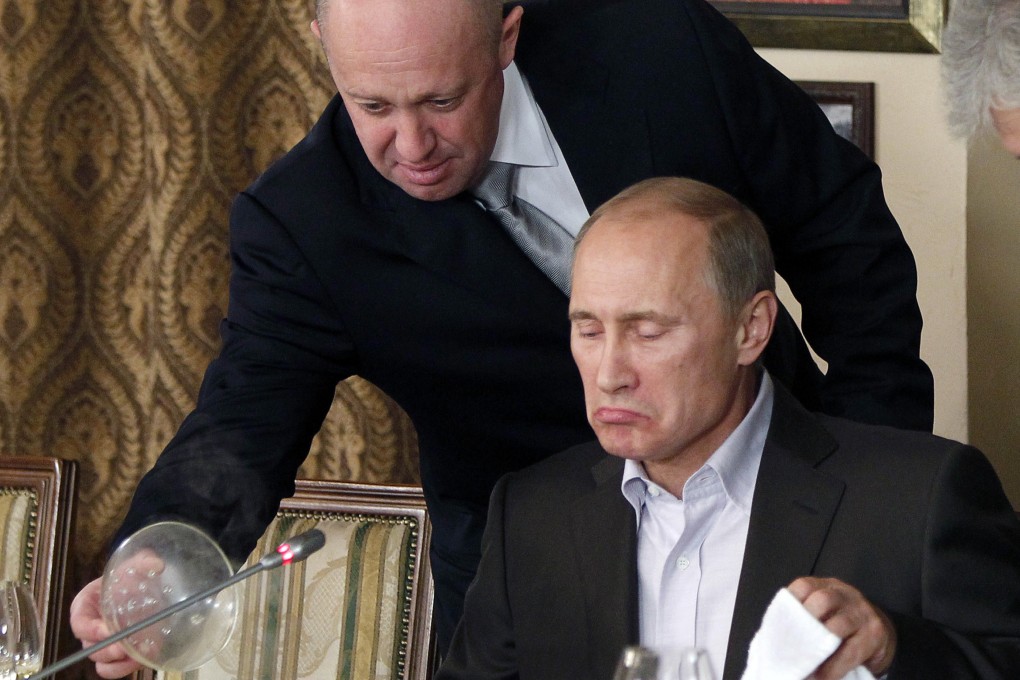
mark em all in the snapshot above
pixel 524 139
pixel 690 550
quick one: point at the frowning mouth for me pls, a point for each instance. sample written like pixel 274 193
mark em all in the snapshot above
pixel 424 175
pixel 618 416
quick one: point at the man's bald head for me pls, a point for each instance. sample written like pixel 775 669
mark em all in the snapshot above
pixel 422 82
pixel 488 12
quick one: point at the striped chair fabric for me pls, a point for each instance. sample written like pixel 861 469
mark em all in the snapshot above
pixel 359 609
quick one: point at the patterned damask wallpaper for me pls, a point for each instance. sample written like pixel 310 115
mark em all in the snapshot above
pixel 126 128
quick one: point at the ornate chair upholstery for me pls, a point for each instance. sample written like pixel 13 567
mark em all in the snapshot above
pixel 36 513
pixel 358 609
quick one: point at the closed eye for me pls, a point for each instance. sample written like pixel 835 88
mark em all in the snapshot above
pixel 587 330
pixel 647 330
pixel 445 103
pixel 372 107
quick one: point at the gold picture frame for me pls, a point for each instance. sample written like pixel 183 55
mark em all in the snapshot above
pixel 872 25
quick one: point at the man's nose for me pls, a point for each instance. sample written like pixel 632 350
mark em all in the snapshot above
pixel 415 139
pixel 616 370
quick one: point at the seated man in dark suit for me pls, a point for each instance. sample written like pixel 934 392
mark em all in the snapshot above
pixel 720 488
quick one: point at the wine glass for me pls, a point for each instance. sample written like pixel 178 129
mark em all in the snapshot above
pixel 695 665
pixel 20 643
pixel 637 663
pixel 663 663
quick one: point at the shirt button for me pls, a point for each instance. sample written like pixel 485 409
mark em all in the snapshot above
pixel 682 563
pixel 653 491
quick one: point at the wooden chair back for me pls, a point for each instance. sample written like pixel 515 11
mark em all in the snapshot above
pixel 36 514
pixel 358 609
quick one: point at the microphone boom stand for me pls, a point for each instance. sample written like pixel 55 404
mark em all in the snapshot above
pixel 295 550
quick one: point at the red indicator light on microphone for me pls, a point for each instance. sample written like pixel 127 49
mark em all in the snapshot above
pixel 287 553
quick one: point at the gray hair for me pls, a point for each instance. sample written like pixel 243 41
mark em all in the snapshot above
pixel 981 61
pixel 740 255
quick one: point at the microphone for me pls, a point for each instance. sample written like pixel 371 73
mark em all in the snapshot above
pixel 293 550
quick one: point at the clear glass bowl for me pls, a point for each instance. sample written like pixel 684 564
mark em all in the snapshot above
pixel 155 568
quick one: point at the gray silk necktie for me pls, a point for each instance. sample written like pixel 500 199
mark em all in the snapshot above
pixel 542 239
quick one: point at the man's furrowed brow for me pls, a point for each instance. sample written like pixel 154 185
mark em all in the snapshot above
pixel 356 93
pixel 649 315
pixel 627 317
pixel 580 315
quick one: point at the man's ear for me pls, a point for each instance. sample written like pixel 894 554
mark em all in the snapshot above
pixel 315 30
pixel 508 37
pixel 757 320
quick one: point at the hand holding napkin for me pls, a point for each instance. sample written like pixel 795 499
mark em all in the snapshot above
pixel 792 643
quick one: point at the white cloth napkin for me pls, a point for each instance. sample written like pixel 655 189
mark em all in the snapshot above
pixel 792 643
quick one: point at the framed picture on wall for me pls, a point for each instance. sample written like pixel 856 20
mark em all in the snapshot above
pixel 874 25
pixel 850 107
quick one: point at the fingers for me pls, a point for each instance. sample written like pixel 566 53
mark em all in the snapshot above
pixel 86 620
pixel 869 638
pixel 118 669
pixel 145 560
pixel 88 626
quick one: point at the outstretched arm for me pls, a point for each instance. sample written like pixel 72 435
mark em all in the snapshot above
pixel 262 400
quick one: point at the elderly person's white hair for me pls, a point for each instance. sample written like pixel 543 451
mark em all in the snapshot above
pixel 981 61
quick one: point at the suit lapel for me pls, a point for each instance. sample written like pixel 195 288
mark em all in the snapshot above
pixel 792 510
pixel 791 513
pixel 576 101
pixel 449 238
pixel 606 146
pixel 605 542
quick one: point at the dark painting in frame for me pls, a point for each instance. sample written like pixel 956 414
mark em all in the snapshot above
pixel 850 107
pixel 873 25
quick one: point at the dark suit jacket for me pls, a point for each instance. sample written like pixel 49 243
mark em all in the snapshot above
pixel 336 272
pixel 919 524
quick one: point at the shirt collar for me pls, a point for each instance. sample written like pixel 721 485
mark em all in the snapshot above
pixel 735 462
pixel 524 137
